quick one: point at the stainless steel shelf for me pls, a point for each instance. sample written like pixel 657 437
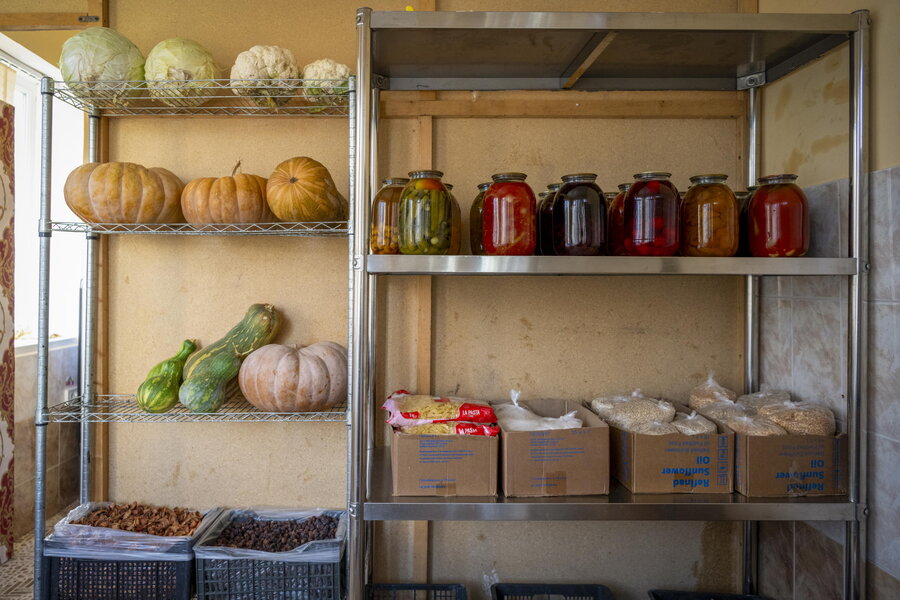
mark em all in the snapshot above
pixel 604 265
pixel 311 229
pixel 122 408
pixel 209 97
pixel 447 50
pixel 620 505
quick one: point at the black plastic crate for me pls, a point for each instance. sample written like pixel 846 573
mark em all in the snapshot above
pixel 550 591
pixel 675 595
pixel 90 579
pixel 416 591
pixel 247 579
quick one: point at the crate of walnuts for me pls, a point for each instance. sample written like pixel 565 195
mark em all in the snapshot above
pixel 256 554
pixel 112 551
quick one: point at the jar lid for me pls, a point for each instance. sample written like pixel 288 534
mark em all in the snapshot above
pixel 709 178
pixel 426 174
pixel 752 188
pixel 449 186
pixel 508 177
pixel 580 177
pixel 395 181
pixel 543 194
pixel 782 178
pixel 623 187
pixel 553 187
pixel 648 175
pixel 610 195
pixel 483 187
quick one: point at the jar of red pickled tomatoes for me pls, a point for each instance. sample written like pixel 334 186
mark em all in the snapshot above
pixel 652 208
pixel 778 218
pixel 509 222
pixel 615 222
pixel 579 217
pixel 545 221
pixel 476 214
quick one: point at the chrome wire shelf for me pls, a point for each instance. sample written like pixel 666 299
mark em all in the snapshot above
pixel 123 408
pixel 211 97
pixel 310 229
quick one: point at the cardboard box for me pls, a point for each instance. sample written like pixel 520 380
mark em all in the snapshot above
pixel 560 462
pixel 790 465
pixel 674 463
pixel 444 465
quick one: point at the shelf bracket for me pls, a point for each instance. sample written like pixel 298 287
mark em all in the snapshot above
pixel 751 80
pixel 380 82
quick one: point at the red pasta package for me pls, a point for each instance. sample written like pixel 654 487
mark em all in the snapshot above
pixel 408 410
pixel 454 428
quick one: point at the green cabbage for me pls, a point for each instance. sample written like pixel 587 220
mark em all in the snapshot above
pixel 99 64
pixel 178 72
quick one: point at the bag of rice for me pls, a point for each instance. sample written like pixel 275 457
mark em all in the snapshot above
pixel 640 409
pixel 801 418
pixel 653 428
pixel 723 410
pixel 763 397
pixel 694 424
pixel 604 405
pixel 514 417
pixel 754 426
pixel 453 429
pixel 709 392
pixel 406 410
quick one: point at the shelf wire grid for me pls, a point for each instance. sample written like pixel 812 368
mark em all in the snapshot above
pixel 309 229
pixel 210 97
pixel 123 408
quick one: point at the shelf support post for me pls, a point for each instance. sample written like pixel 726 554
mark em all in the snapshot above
pixel 40 412
pixel 855 536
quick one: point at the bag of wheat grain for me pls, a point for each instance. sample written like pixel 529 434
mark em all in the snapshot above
pixel 709 392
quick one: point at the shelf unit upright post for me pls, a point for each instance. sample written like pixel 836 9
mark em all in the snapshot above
pixel 452 64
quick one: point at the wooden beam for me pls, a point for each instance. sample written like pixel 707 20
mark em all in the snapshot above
pixel 96 14
pixel 590 60
pixel 748 6
pixel 608 105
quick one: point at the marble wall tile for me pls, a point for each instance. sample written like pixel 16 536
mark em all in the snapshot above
pixel 884 369
pixel 881 585
pixel 69 441
pixel 884 503
pixel 895 228
pixel 843 191
pixel 775 343
pixel 776 559
pixel 824 219
pixel 817 353
pixel 818 564
pixel 776 287
pixel 883 214
pixel 23 508
pixel 819 287
pixel 68 482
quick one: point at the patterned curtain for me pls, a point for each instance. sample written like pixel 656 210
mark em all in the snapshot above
pixel 7 381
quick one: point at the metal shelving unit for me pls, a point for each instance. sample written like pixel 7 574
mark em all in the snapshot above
pixel 221 98
pixel 477 51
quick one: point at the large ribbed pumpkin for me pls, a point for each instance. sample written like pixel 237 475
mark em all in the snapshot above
pixel 301 189
pixel 279 378
pixel 122 192
pixel 239 198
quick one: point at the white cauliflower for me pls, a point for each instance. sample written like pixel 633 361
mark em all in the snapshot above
pixel 265 62
pixel 325 83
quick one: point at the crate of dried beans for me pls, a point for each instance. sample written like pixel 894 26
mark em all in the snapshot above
pixel 257 554
pixel 114 551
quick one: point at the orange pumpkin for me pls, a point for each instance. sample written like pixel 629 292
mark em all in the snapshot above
pixel 123 192
pixel 239 198
pixel 301 189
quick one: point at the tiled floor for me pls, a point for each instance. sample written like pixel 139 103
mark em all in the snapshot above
pixel 17 575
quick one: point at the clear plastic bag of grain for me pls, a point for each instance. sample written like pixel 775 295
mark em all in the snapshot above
pixel 694 424
pixel 801 418
pixel 756 426
pixel 603 405
pixel 764 397
pixel 640 409
pixel 709 392
pixel 653 428
pixel 723 410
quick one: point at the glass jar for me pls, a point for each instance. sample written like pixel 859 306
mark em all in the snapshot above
pixel 545 221
pixel 455 221
pixel 778 218
pixel 709 218
pixel 651 216
pixel 615 223
pixel 476 226
pixel 384 237
pixel 744 201
pixel 579 217
pixel 509 216
pixel 426 215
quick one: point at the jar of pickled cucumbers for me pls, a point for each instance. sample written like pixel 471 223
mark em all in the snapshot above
pixel 651 215
pixel 510 224
pixel 615 222
pixel 476 226
pixel 778 218
pixel 384 237
pixel 709 218
pixel 455 222
pixel 426 215
pixel 579 217
pixel 545 221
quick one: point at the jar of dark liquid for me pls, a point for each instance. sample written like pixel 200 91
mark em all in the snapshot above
pixel 545 221
pixel 476 214
pixel 615 223
pixel 579 217
pixel 652 209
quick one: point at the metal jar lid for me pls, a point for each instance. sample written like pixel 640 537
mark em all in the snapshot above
pixel 544 194
pixel 650 175
pixel 395 181
pixel 752 188
pixel 554 187
pixel 426 174
pixel 449 186
pixel 483 187
pixel 497 177
pixel 709 178
pixel 610 195
pixel 782 178
pixel 623 187
pixel 580 178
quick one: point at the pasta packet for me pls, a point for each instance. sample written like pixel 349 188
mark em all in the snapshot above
pixel 407 410
pixel 709 392
pixel 452 428
pixel 801 418
pixel 514 417
pixel 724 409
pixel 764 397
pixel 694 424
pixel 747 425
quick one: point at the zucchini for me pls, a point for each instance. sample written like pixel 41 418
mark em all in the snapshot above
pixel 159 391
